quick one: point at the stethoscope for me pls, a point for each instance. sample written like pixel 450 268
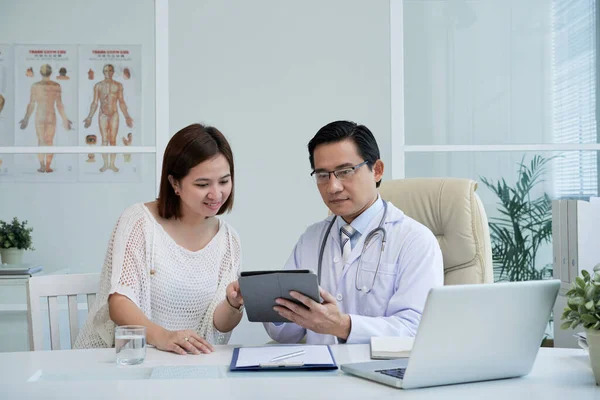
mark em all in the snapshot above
pixel 380 230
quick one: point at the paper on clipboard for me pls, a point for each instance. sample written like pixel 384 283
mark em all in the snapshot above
pixel 255 356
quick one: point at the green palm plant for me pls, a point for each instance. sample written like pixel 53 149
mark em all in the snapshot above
pixel 524 226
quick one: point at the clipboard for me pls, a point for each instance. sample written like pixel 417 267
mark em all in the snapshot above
pixel 282 365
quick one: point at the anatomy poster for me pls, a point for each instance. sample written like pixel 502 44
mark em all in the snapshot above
pixel 45 110
pixel 6 110
pixel 110 109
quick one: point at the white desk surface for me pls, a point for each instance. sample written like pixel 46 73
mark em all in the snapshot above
pixel 93 374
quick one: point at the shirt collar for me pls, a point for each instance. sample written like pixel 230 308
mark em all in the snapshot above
pixel 361 222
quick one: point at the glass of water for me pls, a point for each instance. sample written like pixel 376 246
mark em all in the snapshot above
pixel 130 344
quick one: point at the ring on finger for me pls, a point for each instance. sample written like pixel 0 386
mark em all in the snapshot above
pixel 187 339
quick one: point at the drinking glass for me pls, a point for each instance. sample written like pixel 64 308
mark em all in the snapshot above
pixel 130 344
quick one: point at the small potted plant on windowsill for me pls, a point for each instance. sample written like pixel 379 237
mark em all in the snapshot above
pixel 583 308
pixel 15 239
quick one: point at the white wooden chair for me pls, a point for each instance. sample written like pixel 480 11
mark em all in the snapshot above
pixel 51 287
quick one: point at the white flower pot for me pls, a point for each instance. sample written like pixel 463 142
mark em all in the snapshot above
pixel 593 341
pixel 12 255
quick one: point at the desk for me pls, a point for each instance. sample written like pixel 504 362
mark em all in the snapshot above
pixel 13 311
pixel 15 280
pixel 93 374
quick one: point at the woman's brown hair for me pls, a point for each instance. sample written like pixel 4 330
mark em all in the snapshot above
pixel 189 147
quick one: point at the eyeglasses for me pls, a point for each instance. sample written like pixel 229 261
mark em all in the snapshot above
pixel 322 177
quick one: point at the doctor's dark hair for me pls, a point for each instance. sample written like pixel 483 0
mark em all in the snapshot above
pixel 346 130
pixel 189 147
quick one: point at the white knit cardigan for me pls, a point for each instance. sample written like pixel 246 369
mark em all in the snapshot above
pixel 174 287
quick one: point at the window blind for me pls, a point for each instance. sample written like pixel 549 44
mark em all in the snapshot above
pixel 574 95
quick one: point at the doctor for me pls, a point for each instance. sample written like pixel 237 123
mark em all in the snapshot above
pixel 369 287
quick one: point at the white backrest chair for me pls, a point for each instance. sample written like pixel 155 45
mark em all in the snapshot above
pixel 52 287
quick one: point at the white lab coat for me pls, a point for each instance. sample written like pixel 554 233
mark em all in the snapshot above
pixel 411 265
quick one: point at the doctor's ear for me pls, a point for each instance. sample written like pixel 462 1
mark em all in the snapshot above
pixel 174 184
pixel 378 170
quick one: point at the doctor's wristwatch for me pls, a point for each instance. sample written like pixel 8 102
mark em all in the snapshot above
pixel 240 310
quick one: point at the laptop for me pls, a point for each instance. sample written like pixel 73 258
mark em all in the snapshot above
pixel 471 333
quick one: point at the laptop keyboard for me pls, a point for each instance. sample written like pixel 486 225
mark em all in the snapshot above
pixel 395 372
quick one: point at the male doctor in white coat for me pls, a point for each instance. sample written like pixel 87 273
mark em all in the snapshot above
pixel 360 298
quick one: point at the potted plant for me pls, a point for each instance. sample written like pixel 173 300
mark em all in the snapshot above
pixel 15 238
pixel 583 308
pixel 524 226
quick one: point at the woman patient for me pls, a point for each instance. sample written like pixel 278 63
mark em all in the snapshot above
pixel 171 265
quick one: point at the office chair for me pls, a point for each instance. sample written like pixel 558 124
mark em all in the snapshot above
pixel 451 209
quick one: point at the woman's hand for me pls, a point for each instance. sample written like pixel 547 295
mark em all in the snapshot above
pixel 233 295
pixel 182 342
pixel 229 312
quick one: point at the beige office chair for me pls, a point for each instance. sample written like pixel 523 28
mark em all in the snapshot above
pixel 454 213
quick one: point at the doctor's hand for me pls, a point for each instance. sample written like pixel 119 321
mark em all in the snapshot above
pixel 324 318
pixel 234 296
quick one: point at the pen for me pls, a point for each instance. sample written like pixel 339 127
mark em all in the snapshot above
pixel 286 356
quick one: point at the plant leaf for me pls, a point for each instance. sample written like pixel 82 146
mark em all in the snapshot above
pixel 589 305
pixel 565 325
pixel 590 291
pixel 588 318
pixel 576 301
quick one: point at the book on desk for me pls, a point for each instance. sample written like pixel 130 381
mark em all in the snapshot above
pixel 391 347
pixel 18 271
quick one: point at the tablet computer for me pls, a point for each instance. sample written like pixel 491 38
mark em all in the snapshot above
pixel 261 288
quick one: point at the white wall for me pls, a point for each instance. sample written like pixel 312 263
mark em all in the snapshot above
pixel 269 74
pixel 72 221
